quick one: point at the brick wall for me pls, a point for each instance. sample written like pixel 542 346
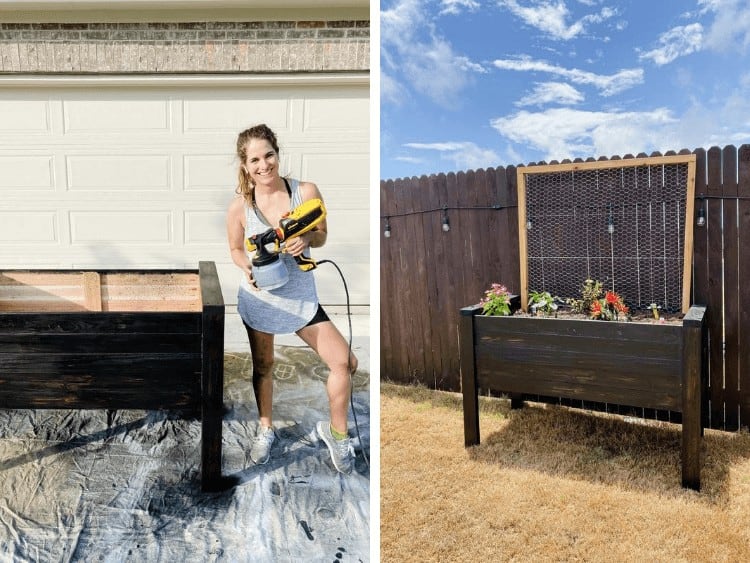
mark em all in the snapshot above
pixel 262 46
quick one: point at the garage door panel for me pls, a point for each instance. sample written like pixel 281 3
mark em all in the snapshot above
pixel 27 173
pixel 118 172
pixel 352 225
pixel 210 116
pixel 209 172
pixel 154 227
pixel 24 116
pixel 106 116
pixel 203 227
pixel 336 169
pixel 345 114
pixel 28 227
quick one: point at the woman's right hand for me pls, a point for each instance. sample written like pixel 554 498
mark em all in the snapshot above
pixel 250 279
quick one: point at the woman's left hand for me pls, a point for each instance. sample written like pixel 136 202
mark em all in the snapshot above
pixel 297 245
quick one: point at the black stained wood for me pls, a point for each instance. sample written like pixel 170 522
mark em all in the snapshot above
pixel 122 360
pixel 468 375
pixel 693 352
pixel 647 366
pixel 212 381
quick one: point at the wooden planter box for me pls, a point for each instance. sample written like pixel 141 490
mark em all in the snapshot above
pixel 634 364
pixel 121 339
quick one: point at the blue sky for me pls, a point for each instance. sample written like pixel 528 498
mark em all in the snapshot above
pixel 467 84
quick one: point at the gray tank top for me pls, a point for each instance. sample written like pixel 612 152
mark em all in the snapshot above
pixel 288 308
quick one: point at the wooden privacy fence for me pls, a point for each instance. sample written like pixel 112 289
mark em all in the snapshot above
pixel 447 237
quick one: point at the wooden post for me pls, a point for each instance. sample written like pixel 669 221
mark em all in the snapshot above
pixel 692 421
pixel 212 376
pixel 469 375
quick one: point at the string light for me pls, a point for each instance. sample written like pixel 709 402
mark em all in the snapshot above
pixel 610 221
pixel 387 232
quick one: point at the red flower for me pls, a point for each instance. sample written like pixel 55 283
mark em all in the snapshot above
pixel 596 309
pixel 611 298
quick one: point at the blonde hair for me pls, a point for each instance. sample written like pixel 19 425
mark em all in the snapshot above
pixel 245 184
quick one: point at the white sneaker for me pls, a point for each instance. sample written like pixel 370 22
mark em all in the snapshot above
pixel 342 453
pixel 260 450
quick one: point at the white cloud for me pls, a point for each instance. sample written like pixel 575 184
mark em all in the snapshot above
pixel 569 133
pixel 391 90
pixel 463 155
pixel 609 85
pixel 731 28
pixel 551 92
pixel 551 17
pixel 413 52
pixel 677 42
pixel 453 7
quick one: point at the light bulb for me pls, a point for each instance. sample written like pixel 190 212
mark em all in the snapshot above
pixel 701 222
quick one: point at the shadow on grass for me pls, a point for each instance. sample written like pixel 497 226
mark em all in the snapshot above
pixel 628 452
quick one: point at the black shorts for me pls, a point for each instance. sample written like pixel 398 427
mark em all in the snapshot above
pixel 320 317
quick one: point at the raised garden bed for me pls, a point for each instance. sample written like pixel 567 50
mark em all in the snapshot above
pixel 125 339
pixel 657 366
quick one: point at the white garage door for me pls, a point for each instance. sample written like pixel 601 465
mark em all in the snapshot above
pixel 108 173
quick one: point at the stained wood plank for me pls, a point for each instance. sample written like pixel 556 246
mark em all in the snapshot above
pixel 99 344
pixel 33 323
pixel 468 376
pixel 714 319
pixel 212 377
pixel 730 288
pixel 389 344
pixel 743 275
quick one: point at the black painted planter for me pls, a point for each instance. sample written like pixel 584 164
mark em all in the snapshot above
pixel 634 364
pixel 121 339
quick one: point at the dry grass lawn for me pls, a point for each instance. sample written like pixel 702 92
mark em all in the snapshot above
pixel 552 484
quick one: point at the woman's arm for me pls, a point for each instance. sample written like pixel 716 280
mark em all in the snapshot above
pixel 236 237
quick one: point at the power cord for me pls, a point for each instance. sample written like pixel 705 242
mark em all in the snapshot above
pixel 349 356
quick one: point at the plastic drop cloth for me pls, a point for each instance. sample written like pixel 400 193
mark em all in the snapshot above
pixel 108 486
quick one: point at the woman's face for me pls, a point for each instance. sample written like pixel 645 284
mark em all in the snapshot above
pixel 262 162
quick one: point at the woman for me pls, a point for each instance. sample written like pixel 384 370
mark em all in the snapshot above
pixel 263 198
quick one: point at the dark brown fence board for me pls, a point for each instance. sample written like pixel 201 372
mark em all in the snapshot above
pixel 743 296
pixel 730 281
pixel 434 280
pixel 387 283
pixel 714 313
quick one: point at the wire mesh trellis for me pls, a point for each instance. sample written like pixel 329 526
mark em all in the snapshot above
pixel 625 223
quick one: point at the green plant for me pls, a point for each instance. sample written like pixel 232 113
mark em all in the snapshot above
pixel 542 302
pixel 496 301
pixel 591 292
pixel 610 307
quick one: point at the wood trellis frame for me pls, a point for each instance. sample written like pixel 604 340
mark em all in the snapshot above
pixel 688 159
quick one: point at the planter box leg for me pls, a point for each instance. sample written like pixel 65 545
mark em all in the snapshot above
pixel 516 400
pixel 692 423
pixel 469 378
pixel 212 387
